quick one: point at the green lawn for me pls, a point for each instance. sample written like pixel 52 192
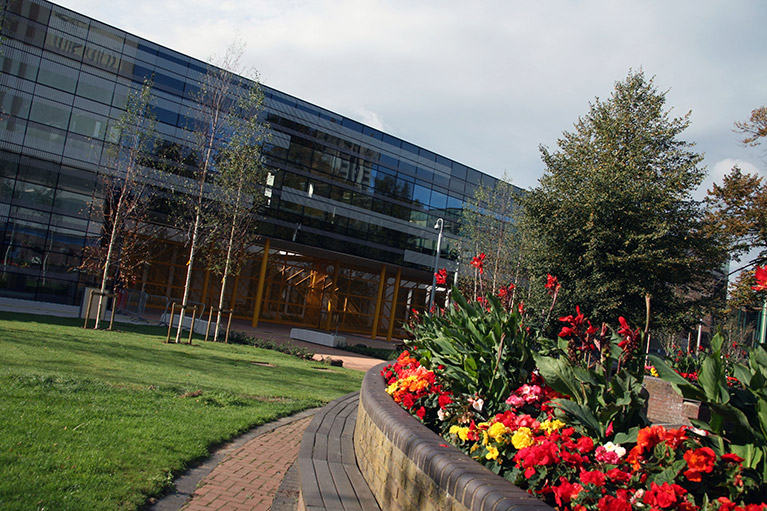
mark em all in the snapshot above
pixel 102 420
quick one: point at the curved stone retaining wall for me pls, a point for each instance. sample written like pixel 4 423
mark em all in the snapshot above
pixel 409 468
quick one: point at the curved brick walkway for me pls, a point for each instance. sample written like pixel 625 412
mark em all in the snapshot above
pixel 249 477
pixel 245 474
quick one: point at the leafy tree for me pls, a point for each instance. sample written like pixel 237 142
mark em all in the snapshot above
pixel 738 208
pixel 614 214
pixel 755 128
pixel 127 192
pixel 240 183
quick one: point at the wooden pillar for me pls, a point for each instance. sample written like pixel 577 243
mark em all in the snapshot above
pixel 261 283
pixel 379 299
pixel 394 298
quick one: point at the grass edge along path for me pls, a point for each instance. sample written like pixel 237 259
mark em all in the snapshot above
pixel 103 420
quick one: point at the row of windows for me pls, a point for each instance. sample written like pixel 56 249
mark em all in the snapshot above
pixel 157 59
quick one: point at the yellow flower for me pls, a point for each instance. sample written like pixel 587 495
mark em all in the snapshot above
pixel 496 430
pixel 492 453
pixel 551 425
pixel 522 438
pixel 463 433
pixel 654 372
pixel 454 429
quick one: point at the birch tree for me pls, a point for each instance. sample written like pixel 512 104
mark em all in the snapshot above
pixel 218 99
pixel 126 187
pixel 240 182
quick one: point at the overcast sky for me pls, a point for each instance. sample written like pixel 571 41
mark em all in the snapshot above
pixel 484 82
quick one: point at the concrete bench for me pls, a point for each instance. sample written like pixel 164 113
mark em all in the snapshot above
pixel 327 466
pixel 332 340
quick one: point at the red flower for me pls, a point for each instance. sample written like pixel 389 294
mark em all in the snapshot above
pixel 478 262
pixel 566 491
pixel 609 503
pixel 503 292
pixel 663 496
pixel 731 458
pixel 594 477
pixel 761 279
pixel 441 277
pixel 619 476
pixel 421 412
pixel 444 400
pixel 552 283
pixel 700 461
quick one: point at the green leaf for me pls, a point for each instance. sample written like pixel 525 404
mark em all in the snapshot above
pixel 712 378
pixel 716 343
pixel 578 415
pixel 558 374
pixel 627 437
pixel 470 366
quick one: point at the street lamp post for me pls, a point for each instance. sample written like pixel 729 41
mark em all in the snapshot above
pixel 438 225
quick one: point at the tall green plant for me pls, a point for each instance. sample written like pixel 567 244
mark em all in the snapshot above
pixel 738 411
pixel 601 373
pixel 484 349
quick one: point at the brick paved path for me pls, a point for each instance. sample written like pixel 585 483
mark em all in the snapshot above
pixel 249 477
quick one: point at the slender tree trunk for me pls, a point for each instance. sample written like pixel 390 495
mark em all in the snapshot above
pixel 227 264
pixel 227 267
pixel 110 251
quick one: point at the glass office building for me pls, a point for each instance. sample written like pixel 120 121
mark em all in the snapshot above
pixel 348 238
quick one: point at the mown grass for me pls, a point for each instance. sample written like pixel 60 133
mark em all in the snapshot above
pixel 103 420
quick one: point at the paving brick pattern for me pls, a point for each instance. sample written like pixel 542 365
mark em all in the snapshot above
pixel 248 479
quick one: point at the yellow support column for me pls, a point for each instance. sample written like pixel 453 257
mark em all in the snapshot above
pixel 233 301
pixel 205 286
pixel 394 298
pixel 332 297
pixel 379 299
pixel 261 283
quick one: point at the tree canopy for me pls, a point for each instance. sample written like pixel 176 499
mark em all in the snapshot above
pixel 614 212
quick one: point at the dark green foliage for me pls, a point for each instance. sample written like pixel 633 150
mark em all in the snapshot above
pixel 614 213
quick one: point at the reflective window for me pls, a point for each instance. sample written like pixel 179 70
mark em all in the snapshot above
pixel 88 124
pixel 94 88
pixel 421 196
pixel 15 103
pixel 45 138
pixel 57 76
pixel 35 171
pixel 52 114
pixel 438 200
pixel 33 195
pixel 21 64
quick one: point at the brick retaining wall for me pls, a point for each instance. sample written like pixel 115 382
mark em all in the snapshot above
pixel 409 467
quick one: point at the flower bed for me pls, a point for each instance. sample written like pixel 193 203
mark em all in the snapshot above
pixel 564 419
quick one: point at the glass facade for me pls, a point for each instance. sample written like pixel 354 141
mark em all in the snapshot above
pixel 351 209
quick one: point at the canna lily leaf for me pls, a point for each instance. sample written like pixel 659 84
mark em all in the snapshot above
pixel 580 417
pixel 712 378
